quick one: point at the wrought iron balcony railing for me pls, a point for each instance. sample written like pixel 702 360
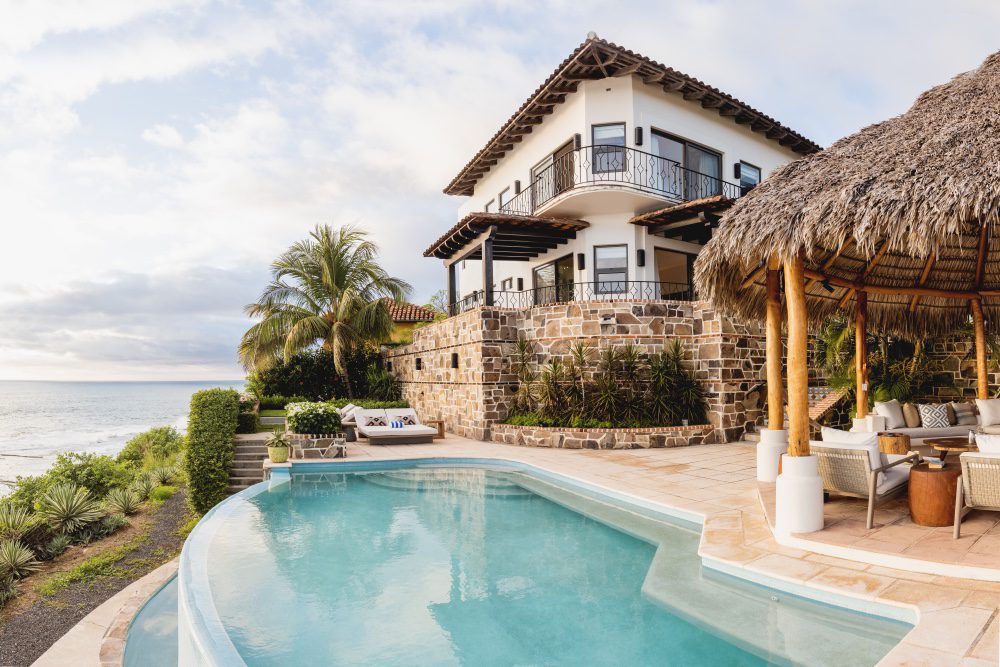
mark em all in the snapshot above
pixel 622 167
pixel 607 290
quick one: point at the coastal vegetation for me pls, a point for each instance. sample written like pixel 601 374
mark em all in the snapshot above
pixel 328 290
pixel 612 388
pixel 211 426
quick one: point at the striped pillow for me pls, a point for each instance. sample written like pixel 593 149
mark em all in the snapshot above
pixel 933 415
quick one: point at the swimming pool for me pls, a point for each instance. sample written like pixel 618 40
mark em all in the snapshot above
pixel 408 564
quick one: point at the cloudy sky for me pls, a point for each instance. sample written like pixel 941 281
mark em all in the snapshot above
pixel 155 155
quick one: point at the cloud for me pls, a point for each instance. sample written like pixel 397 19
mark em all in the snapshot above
pixel 156 155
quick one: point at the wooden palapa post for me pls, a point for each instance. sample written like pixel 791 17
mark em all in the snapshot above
pixel 775 385
pixel 982 380
pixel 798 369
pixel 861 352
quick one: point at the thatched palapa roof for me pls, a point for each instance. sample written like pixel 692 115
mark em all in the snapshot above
pixel 906 209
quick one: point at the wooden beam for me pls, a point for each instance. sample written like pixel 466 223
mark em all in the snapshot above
pixel 775 388
pixel 695 94
pixel 984 245
pixel 869 267
pixel 754 276
pixel 798 358
pixel 828 262
pixel 667 226
pixel 627 70
pixel 730 110
pixel 861 354
pixel 712 102
pixel 674 86
pixel 982 379
pixel 923 279
pixel 654 78
pixel 876 289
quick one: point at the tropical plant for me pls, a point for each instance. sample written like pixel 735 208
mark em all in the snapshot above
pixel 68 508
pixel 123 501
pixel 312 418
pixel 96 473
pixel 16 560
pixel 163 474
pixel 278 439
pixel 57 545
pixel 143 486
pixel 15 521
pixel 156 445
pixel 552 394
pixel 382 385
pixel 327 289
pixel 8 590
pixel 522 365
pixel 112 523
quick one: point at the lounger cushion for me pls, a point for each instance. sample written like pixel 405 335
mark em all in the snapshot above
pixel 893 413
pixel 892 478
pixel 406 415
pixel 397 432
pixel 845 440
pixel 989 411
pixel 366 418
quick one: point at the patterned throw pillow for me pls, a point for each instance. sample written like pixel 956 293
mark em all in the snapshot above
pixel 933 415
pixel 375 420
pixel 408 420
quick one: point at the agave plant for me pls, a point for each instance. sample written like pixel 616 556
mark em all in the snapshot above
pixel 110 524
pixel 123 501
pixel 68 508
pixel 15 521
pixel 143 486
pixel 58 544
pixel 16 560
pixel 8 590
pixel 521 364
pixel 162 475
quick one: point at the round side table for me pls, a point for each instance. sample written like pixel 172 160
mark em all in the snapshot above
pixel 893 443
pixel 932 494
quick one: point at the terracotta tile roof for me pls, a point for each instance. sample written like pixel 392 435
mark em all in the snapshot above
pixel 598 59
pixel 408 312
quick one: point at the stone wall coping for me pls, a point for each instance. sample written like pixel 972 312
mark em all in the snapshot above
pixel 694 428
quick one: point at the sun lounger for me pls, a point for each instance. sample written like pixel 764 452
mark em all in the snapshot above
pixel 377 426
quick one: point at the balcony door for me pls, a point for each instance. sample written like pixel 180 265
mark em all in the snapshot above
pixel 553 282
pixel 684 170
pixel 674 270
pixel 552 175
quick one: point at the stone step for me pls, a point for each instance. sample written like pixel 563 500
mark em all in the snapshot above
pixel 247 465
pixel 245 479
pixel 272 421
pixel 250 449
pixel 240 456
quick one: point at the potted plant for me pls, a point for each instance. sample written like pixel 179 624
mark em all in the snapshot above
pixel 277 447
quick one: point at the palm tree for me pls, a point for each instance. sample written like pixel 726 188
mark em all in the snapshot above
pixel 328 289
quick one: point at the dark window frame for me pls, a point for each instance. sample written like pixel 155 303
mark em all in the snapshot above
pixel 507 284
pixel 760 176
pixel 599 151
pixel 597 271
pixel 557 287
pixel 691 257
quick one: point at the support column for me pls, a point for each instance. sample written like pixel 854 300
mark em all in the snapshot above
pixel 861 353
pixel 798 489
pixel 982 379
pixel 488 268
pixel 452 288
pixel 773 439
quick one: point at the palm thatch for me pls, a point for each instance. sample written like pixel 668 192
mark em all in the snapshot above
pixel 905 209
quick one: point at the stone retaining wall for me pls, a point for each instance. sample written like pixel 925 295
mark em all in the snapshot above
pixel 727 358
pixel 615 438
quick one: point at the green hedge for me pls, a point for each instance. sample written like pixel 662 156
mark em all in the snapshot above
pixel 276 402
pixel 248 422
pixel 211 427
pixel 369 403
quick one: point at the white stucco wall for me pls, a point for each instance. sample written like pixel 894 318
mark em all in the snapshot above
pixel 612 100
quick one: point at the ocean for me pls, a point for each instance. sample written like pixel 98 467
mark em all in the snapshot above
pixel 41 419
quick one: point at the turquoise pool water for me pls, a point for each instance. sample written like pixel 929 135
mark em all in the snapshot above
pixel 466 566
pixel 152 637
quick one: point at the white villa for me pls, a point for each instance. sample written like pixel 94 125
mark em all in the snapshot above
pixel 604 184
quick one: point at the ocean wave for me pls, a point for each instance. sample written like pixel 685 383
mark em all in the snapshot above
pixel 106 439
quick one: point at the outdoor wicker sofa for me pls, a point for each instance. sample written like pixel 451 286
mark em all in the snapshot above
pixel 979 486
pixel 859 470
pixel 377 426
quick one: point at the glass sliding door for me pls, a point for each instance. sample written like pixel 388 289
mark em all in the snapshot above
pixel 674 271
pixel 706 181
pixel 609 148
pixel 553 282
pixel 666 174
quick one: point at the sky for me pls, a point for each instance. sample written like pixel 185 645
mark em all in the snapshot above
pixel 156 155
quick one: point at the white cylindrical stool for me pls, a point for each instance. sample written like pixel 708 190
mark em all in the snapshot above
pixel 773 443
pixel 798 496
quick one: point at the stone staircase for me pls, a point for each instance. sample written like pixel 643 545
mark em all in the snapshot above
pixel 822 400
pixel 248 461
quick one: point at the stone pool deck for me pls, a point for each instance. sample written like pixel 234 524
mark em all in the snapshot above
pixel 957 618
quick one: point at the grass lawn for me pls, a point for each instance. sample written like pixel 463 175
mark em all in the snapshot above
pixel 273 413
pixel 270 428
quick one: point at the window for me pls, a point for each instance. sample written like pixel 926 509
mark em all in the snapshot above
pixel 489 206
pixel 554 281
pixel 609 147
pixel 674 270
pixel 506 284
pixel 610 268
pixel 504 198
pixel 684 169
pixel 749 177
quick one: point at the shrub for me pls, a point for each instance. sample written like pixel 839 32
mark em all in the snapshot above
pixel 98 474
pixel 313 418
pixel 382 385
pixel 310 374
pixel 162 493
pixel 8 590
pixel 278 402
pixel 15 521
pixel 162 475
pixel 157 444
pixel 57 545
pixel 143 486
pixel 16 560
pixel 28 491
pixel 211 427
pixel 110 524
pixel 68 508
pixel 247 422
pixel 123 501
pixel 369 404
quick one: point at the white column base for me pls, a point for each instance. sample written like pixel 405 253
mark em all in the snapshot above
pixel 773 443
pixel 870 424
pixel 798 496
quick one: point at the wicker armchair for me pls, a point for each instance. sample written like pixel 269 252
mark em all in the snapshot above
pixel 847 471
pixel 979 486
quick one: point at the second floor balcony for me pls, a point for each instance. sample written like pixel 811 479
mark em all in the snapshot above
pixel 611 167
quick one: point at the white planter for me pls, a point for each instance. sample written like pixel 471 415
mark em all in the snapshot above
pixel 798 496
pixel 773 443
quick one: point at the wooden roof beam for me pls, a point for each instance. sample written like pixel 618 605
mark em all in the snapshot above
pixel 923 279
pixel 828 262
pixel 659 77
pixel 712 102
pixel 982 249
pixel 853 286
pixel 627 70
pixel 674 86
pixel 695 94
pixel 729 110
pixel 869 267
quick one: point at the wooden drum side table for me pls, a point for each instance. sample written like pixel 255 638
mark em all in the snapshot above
pixel 893 443
pixel 932 494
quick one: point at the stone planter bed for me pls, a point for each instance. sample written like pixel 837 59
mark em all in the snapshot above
pixel 609 438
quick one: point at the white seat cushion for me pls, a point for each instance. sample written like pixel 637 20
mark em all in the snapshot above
pixel 400 432
pixel 988 444
pixel 989 411
pixel 981 455
pixel 848 440
pixel 893 413
pixel 892 478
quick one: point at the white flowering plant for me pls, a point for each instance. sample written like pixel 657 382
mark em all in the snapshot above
pixel 312 418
